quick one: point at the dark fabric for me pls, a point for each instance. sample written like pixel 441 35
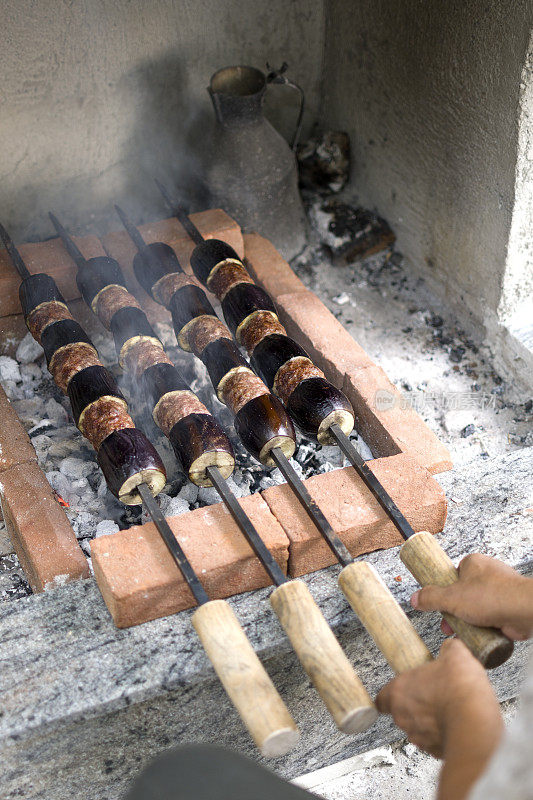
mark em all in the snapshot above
pixel 207 772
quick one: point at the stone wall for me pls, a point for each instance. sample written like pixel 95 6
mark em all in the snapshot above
pixel 433 95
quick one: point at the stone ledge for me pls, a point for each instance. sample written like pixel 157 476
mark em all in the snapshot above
pixel 113 699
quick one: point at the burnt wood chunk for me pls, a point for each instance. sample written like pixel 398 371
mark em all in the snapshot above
pixel 242 301
pixel 263 424
pixel 207 255
pixel 127 458
pixel 91 384
pixel 220 357
pixel 159 379
pixel 199 442
pixel 130 323
pixel 271 353
pixel 60 334
pixel 159 261
pixel 38 289
pixel 96 274
pixel 316 404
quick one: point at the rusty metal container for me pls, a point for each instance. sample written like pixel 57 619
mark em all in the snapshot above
pixel 250 168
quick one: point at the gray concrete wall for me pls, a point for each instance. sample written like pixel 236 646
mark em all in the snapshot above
pixel 430 93
pixel 97 96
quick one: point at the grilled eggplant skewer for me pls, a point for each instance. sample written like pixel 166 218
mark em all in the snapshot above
pixel 124 454
pixel 168 396
pixel 274 356
pixel 157 266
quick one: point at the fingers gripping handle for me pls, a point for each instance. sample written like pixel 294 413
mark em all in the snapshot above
pixel 428 563
pixel 245 679
pixel 383 618
pixel 322 657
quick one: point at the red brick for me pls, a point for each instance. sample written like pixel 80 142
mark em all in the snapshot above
pixel 15 444
pixel 39 529
pixel 213 224
pixel 268 268
pixel 12 330
pixel 50 257
pixel 354 513
pixel 140 581
pixel 329 345
pixel 389 424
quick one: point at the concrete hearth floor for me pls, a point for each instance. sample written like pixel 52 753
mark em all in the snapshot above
pixel 83 705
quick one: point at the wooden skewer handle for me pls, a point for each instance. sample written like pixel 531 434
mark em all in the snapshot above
pixel 428 563
pixel 322 657
pixel 245 679
pixel 383 618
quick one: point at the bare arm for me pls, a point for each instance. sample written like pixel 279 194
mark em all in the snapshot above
pixel 448 707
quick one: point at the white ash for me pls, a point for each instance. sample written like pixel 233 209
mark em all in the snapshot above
pixel 69 462
pixel 9 370
pixel 28 350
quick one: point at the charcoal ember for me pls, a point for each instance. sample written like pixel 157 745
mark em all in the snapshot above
pixel 350 233
pixel 324 162
pixel 75 468
pixel 207 496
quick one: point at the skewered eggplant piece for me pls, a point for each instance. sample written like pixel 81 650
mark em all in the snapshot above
pixel 424 558
pixel 100 411
pixel 175 408
pixel 312 401
pixel 328 668
pixel 259 415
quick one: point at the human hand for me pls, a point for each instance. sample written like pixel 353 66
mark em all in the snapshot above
pixel 488 593
pixel 435 703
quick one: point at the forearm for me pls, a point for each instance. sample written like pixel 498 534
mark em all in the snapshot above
pixel 471 739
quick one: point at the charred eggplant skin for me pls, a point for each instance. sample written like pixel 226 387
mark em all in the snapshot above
pixel 124 454
pixel 127 323
pixel 273 352
pixel 220 357
pixel 162 261
pixel 207 255
pixel 243 300
pixel 88 385
pixel 96 274
pixel 196 434
pixel 61 333
pixel 38 289
pixel 188 303
pixel 261 420
pixel 160 379
pixel 312 401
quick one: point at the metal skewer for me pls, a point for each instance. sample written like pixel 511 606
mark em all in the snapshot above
pixel 312 638
pixel 14 254
pixel 421 553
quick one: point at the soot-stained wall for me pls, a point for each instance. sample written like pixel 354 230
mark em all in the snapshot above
pixel 432 93
pixel 99 96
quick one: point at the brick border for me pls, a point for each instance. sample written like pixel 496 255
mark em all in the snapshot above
pixel 139 588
